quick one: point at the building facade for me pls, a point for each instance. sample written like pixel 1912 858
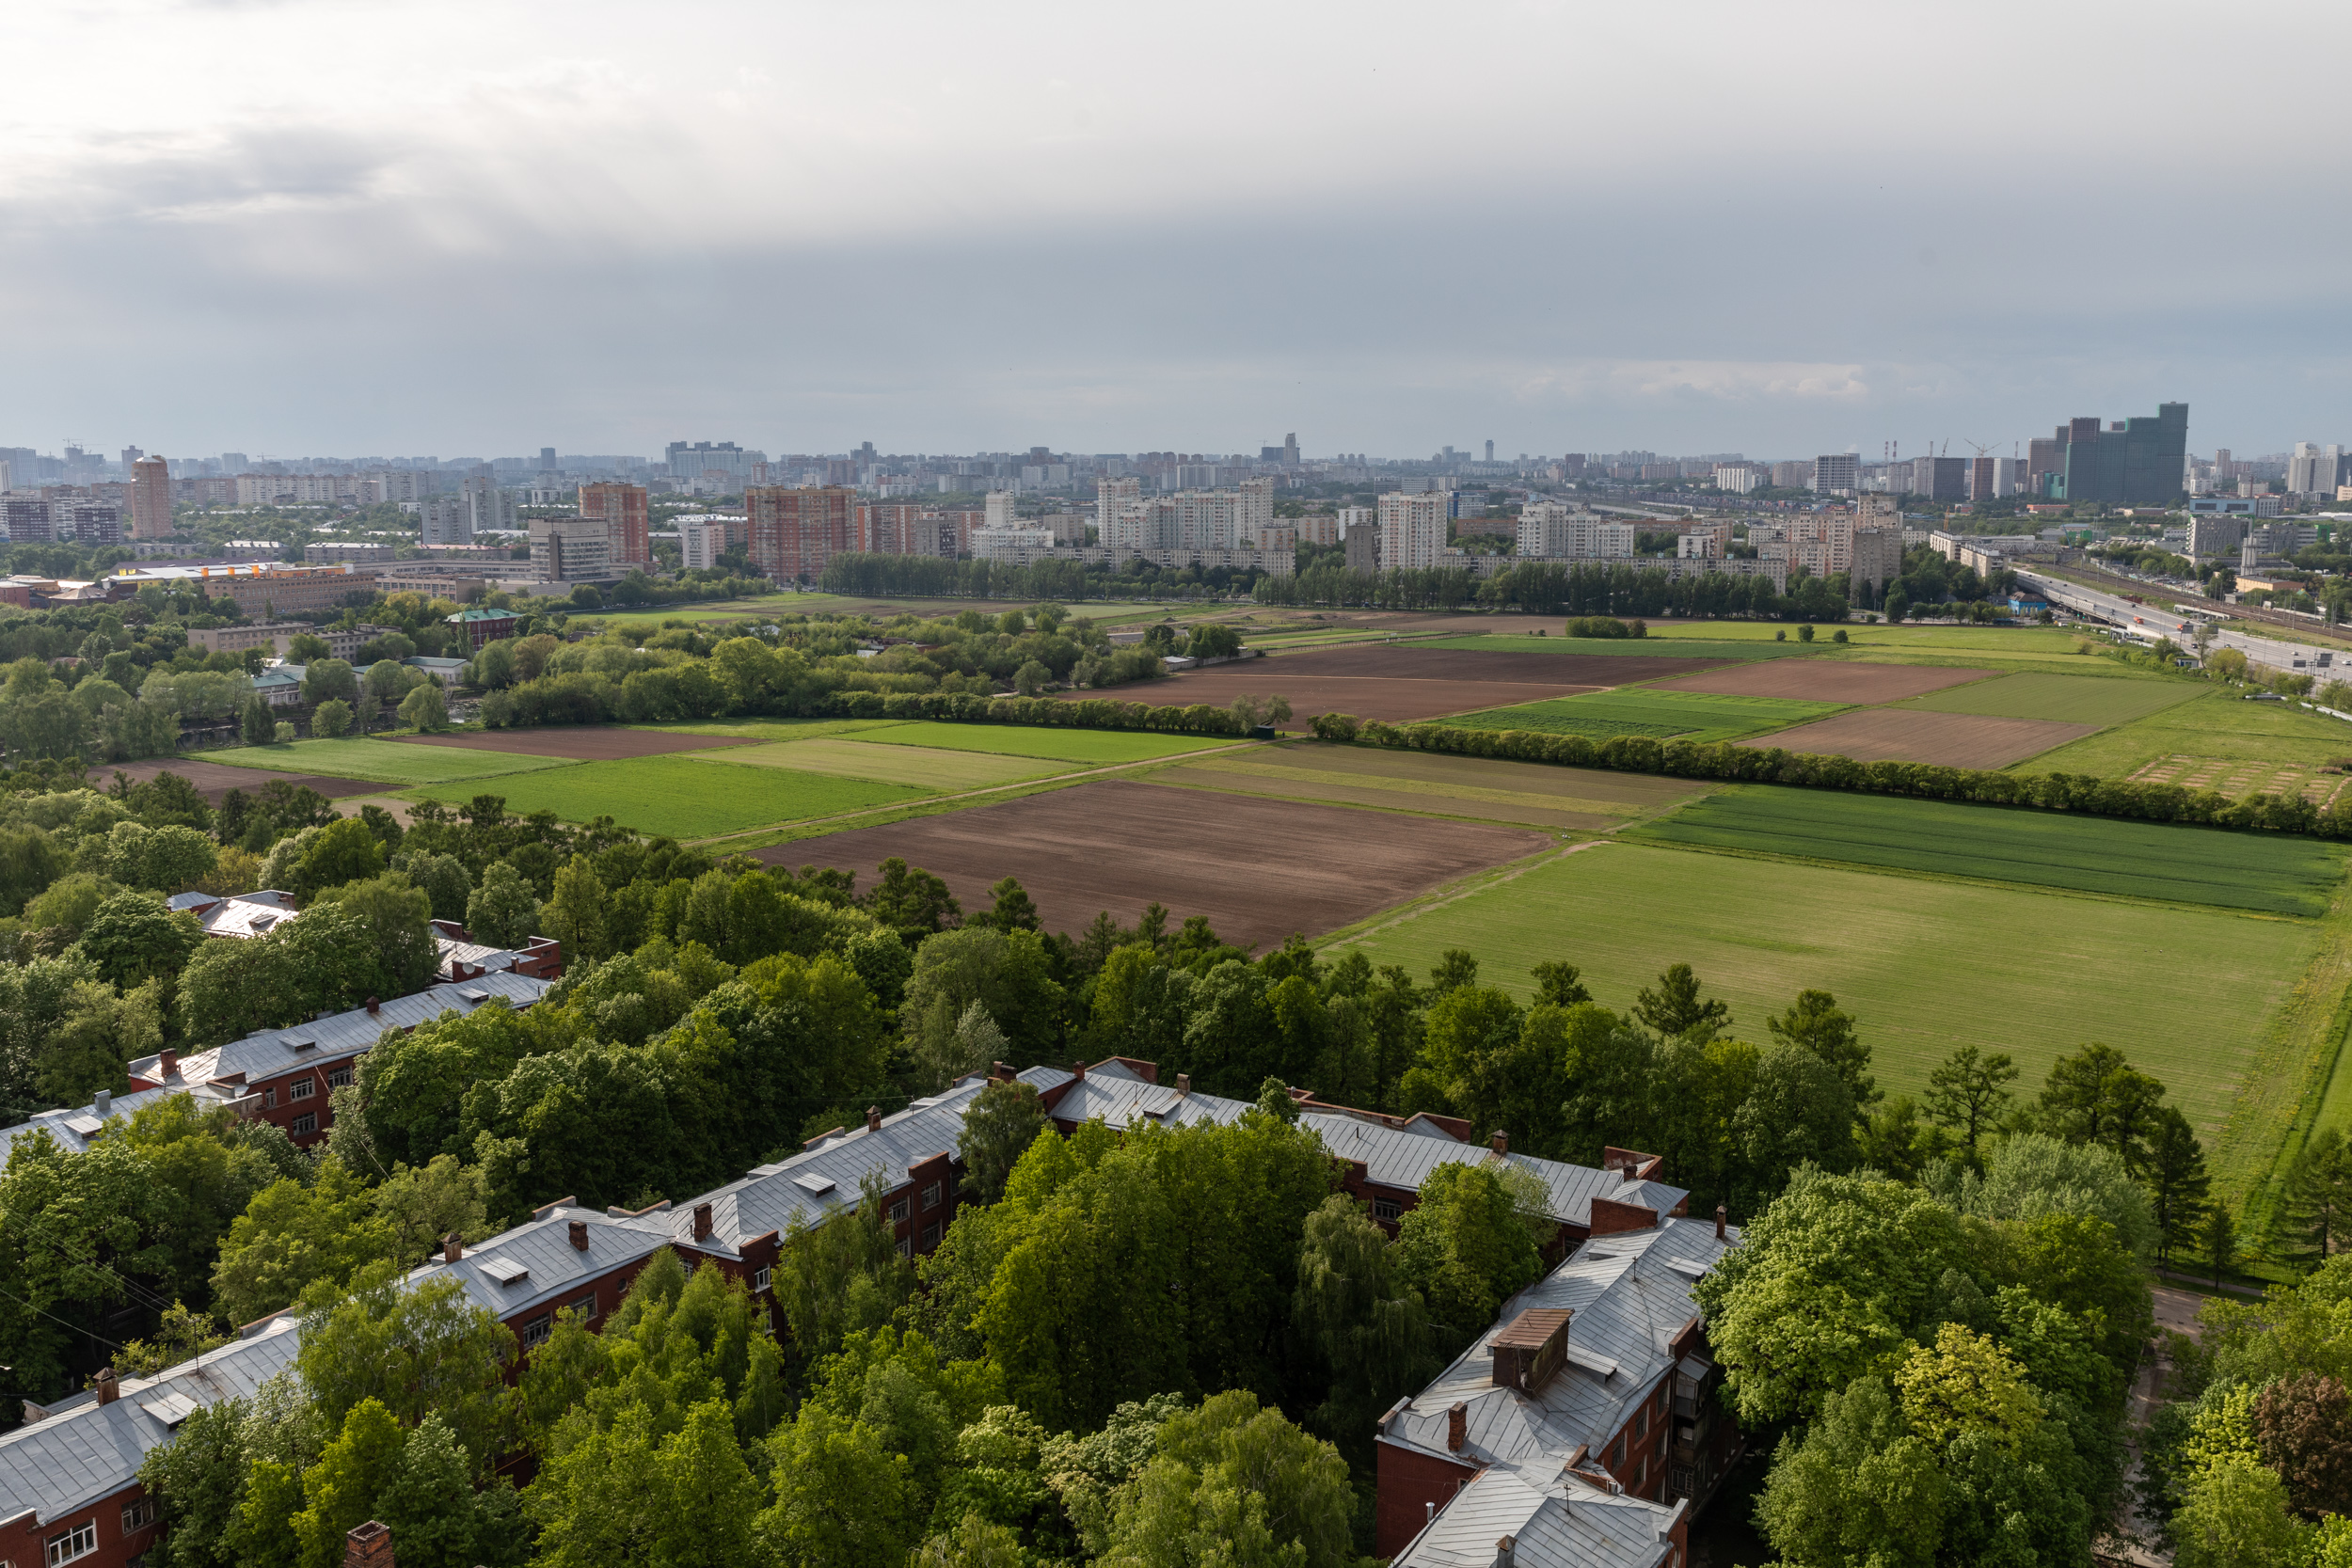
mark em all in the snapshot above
pixel 624 507
pixel 1412 531
pixel 2135 461
pixel 1836 474
pixel 793 532
pixel 1550 531
pixel 150 498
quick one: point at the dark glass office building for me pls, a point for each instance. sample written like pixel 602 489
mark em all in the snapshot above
pixel 2135 461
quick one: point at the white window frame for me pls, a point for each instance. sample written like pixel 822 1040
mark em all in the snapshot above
pixel 585 1308
pixel 302 1088
pixel 295 1129
pixel 899 1210
pixel 138 1515
pixel 1389 1209
pixel 536 1332
pixel 71 1546
pixel 931 1196
pixel 763 1278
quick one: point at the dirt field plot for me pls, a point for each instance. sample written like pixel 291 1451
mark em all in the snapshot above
pixel 212 781
pixel 922 767
pixel 1724 650
pixel 2068 699
pixel 585 743
pixel 1575 799
pixel 1258 869
pixel 1625 794
pixel 1046 745
pixel 1830 681
pixel 1420 661
pixel 1657 712
pixel 1908 734
pixel 1484 806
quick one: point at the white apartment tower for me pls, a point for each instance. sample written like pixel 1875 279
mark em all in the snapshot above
pixel 999 510
pixel 1412 531
pixel 1552 532
pixel 1112 498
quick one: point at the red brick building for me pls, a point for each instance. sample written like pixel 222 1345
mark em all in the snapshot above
pixel 622 507
pixel 793 532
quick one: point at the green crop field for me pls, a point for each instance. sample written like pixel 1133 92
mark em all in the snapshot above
pixel 1055 745
pixel 2276 873
pixel 926 767
pixel 2190 994
pixel 2218 722
pixel 680 796
pixel 385 761
pixel 2068 699
pixel 1654 647
pixel 1642 710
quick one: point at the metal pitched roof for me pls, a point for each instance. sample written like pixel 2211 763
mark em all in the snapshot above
pixel 1629 1300
pixel 75 1457
pixel 76 1127
pixel 273 1051
pixel 536 1263
pixel 1556 1521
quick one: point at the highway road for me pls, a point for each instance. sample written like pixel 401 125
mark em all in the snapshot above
pixel 2157 618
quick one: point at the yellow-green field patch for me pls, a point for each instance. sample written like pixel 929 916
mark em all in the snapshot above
pixel 918 766
pixel 2067 698
pixel 1054 745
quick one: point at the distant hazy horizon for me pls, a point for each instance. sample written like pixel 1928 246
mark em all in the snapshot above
pixel 351 226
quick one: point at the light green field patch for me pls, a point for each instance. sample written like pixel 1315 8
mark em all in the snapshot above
pixel 388 761
pixel 1659 714
pixel 1925 966
pixel 776 729
pixel 925 767
pixel 1054 745
pixel 2215 725
pixel 681 797
pixel 2067 698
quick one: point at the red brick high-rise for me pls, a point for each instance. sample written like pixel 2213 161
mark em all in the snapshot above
pixel 150 498
pixel 622 506
pixel 795 531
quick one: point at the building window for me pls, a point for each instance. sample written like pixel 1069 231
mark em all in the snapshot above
pixel 931 1196
pixel 906 1246
pixel 536 1332
pixel 763 1278
pixel 1641 1424
pixel 269 1100
pixel 930 1237
pixel 138 1515
pixel 899 1211
pixel 339 1079
pixel 1387 1209
pixel 305 1124
pixel 74 1544
pixel 302 1088
pixel 585 1308
pixel 1616 1454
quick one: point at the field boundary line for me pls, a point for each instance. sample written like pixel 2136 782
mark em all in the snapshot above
pixel 2297 1059
pixel 1453 893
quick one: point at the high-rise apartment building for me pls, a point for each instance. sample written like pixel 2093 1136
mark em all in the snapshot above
pixel 445 520
pixel 1412 531
pixel 1550 531
pixel 1939 479
pixel 793 532
pixel 2316 470
pixel 570 549
pixel 624 506
pixel 1836 474
pixel 1112 498
pixel 2134 462
pixel 1793 476
pixel 150 498
pixel 1000 509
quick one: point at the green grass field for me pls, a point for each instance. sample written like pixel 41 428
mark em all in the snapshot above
pixel 679 796
pixel 2188 993
pixel 1054 745
pixel 1683 647
pixel 2068 699
pixel 925 767
pixel 725 609
pixel 1643 711
pixel 2215 723
pixel 2275 873
pixel 385 761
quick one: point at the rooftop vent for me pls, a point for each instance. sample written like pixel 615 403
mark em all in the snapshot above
pixel 298 1046
pixel 475 994
pixel 84 1126
pixel 813 1184
pixel 1530 1349
pixel 170 1409
pixel 505 1270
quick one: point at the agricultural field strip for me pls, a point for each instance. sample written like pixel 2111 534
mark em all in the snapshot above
pixel 1051 744
pixel 2215 725
pixel 1636 790
pixel 383 762
pixel 1654 711
pixel 2278 875
pixel 1655 647
pixel 675 796
pixel 2067 698
pixel 1393 796
pixel 1890 948
pixel 1307 776
pixel 919 768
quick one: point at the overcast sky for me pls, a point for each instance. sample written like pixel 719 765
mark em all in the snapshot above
pixel 356 227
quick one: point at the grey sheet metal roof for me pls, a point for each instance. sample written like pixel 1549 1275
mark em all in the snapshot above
pixel 1629 1303
pixel 59 1466
pixel 1555 1522
pixel 271 1051
pixel 825 1179
pixel 247 915
pixel 535 1264
pixel 76 1127
pixel 1392 1156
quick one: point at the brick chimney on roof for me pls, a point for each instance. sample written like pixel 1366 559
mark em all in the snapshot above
pixel 374 1007
pixel 1184 1085
pixel 1721 1215
pixel 108 1390
pixel 579 1235
pixel 168 1062
pixel 1502 1141
pixel 369 1546
pixel 873 1118
pixel 1456 1427
pixel 702 1221
pixel 1078 1072
pixel 453 1247
pixel 1506 1552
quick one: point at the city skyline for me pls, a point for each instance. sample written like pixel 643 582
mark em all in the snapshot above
pixel 1037 224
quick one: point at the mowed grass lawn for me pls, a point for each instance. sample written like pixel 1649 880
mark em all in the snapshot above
pixel 682 797
pixel 387 761
pixel 2067 698
pixel 2274 873
pixel 918 766
pixel 1640 710
pixel 1654 647
pixel 1054 745
pixel 1924 966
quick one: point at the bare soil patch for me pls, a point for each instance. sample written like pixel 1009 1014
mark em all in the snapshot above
pixel 1911 734
pixel 213 780
pixel 1258 868
pixel 1636 791
pixel 585 742
pixel 1400 682
pixel 1822 680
